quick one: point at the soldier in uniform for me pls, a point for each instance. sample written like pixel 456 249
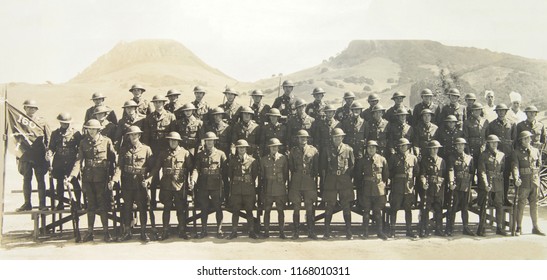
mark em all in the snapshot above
pixel 474 130
pixel 427 103
pixel 397 129
pixel 243 170
pixel 391 113
pixel 339 171
pixel 447 135
pixel 248 130
pixel 173 105
pixel 220 128
pixel 536 127
pixel 145 107
pixel 273 129
pixel 490 172
pixel 526 163
pixel 460 172
pixel 259 108
pixel 424 130
pixel 454 108
pixel 403 170
pixel 273 180
pixel 372 100
pixel 283 102
pixel 109 129
pixel 376 129
pixel 97 154
pixel 98 100
pixel 34 159
pixel 371 176
pixel 506 131
pixel 131 118
pixel 202 108
pixel 178 175
pixel 299 121
pixel 304 167
pixel 321 132
pixel 189 128
pixel 432 175
pixel 315 109
pixel 231 107
pixel 354 127
pixel 211 167
pixel 62 152
pixel 344 112
pixel 134 166
pixel 470 99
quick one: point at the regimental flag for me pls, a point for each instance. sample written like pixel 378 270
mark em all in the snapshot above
pixel 23 132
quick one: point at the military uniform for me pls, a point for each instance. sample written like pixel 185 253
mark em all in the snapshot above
pixel 354 127
pixel 447 137
pixel 296 123
pixel 461 169
pixel 391 117
pixel 491 179
pixel 248 131
pixel 120 140
pixel 433 172
pixel 507 134
pixel 109 129
pixel 537 129
pixel 474 131
pixel 526 164
pixel 242 175
pixel 417 117
pixel 144 107
pixel 190 130
pixel 396 130
pixel 403 169
pixel 173 107
pixel 376 130
pixel 315 109
pixel 223 131
pixel 274 176
pixel 111 116
pixel 343 112
pixel 202 110
pixel 270 131
pixel 423 133
pixel 260 111
pixel 283 103
pixel 367 114
pixel 451 109
pixel 231 112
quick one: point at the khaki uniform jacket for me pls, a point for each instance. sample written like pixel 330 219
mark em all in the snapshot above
pixel 283 103
pixel 395 131
pixel 270 131
pixel 242 174
pixel 211 167
pixel 315 109
pixel 450 109
pixel 156 127
pixel 64 146
pixel 296 123
pixel 433 173
pixel 354 127
pixel 176 165
pixel 371 175
pixel 526 166
pixel 37 152
pixel 304 167
pixel 391 117
pixel 537 129
pixel 223 131
pixel 260 110
pixel 376 130
pixel 446 138
pixel 274 174
pixel 506 132
pixel 491 167
pixel 403 169
pixel 250 132
pixel 134 165
pixel 417 116
pixel 343 112
pixel 111 117
pixel 423 133
pixel 460 171
pixel 231 112
pixel 202 111
pixel 474 131
pixel 339 168
pixel 122 140
pixel 190 130
pixel 95 159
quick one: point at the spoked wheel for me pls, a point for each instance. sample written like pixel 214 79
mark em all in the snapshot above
pixel 542 192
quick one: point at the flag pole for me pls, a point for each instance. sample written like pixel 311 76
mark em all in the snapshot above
pixel 5 138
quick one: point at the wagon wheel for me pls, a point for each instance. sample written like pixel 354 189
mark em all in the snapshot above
pixel 542 191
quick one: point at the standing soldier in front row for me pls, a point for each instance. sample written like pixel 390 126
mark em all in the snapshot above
pixel 338 184
pixel 177 177
pixel 344 112
pixel 189 128
pixel 202 108
pixel 371 176
pixel 243 171
pixel 283 102
pixel 403 170
pixel 526 165
pixel 211 167
pixel 490 172
pixel 304 167
pixel 273 129
pixel 221 129
pixel 273 180
pixel 539 134
pixel 433 172
pixel 376 129
pixel 315 109
pixel 96 152
pixel 259 108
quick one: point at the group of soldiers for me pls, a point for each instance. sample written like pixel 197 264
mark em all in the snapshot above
pixel 291 154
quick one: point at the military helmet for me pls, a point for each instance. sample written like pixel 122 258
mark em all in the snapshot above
pixel 403 141
pixel 460 140
pixel 246 109
pixel 210 136
pixel 199 89
pixel 426 92
pixel 187 107
pixel 338 132
pixel 274 112
pixel 349 94
pixel 373 97
pixel 476 106
pixel 454 91
pixel 230 91
pixel 30 103
pixel 434 144
pixel 378 107
pixel 493 138
pixel 287 83
pixel 159 98
pixel 398 94
pixel 451 118
pixel 172 92
pixel 101 109
pixel 371 143
pixel 330 108
pixel 401 111
pixel 531 108
pixel 500 107
pixel 134 87
pixel 97 95
pixel 470 96
pixel 64 117
pixel 299 103
pixel 241 143
pixel 525 134
pixel 302 133
pixel 133 129
pixel 257 92
pixel 173 135
pixel 356 105
pixel 216 111
pixel 130 103
pixel 274 142
pixel 317 90
pixel 93 124
pixel 427 111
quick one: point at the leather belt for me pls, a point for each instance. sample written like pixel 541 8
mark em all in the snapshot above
pixel 244 178
pixel 95 163
pixel 210 171
pixel 134 170
pixel 171 171
pixel 528 171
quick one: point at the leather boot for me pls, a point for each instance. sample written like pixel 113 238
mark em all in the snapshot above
pixel 380 225
pixel 311 227
pixel 144 235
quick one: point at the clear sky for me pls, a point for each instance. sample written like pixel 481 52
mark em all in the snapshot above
pixel 54 40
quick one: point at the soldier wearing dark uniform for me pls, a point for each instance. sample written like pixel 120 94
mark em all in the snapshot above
pixel 536 127
pixel 243 171
pixel 97 154
pixel 344 112
pixel 304 167
pixel 34 158
pixel 134 166
pixel 189 128
pixel 62 152
pixel 283 102
pixel 391 113
pixel 202 108
pixel 131 118
pixel 109 129
pixel 427 103
pixel 274 175
pixel 470 99
pixel 461 168
pixel 447 135
pixel 506 131
pixel 424 130
pixel 220 128
pixel 273 129
pixel 315 109
pixel 177 175
pixel 474 130
pixel 230 107
pixel 173 105
pixel 259 108
pixel 371 176
pixel 98 100
pixel 526 163
pixel 432 175
pixel 454 108
pixel 403 170
pixel 490 172
pixel 397 129
pixel 372 100
pixel 248 130
pixel 298 122
pixel 211 167
pixel 145 108
pixel 321 132
pixel 376 129
pixel 338 183
pixel 354 127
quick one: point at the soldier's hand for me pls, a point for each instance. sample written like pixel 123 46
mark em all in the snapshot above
pixel 49 156
pixel 426 186
pixel 452 186
pixel 146 183
pixel 110 185
pixel 518 182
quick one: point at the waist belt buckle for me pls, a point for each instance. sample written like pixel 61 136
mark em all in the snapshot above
pixel 338 172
